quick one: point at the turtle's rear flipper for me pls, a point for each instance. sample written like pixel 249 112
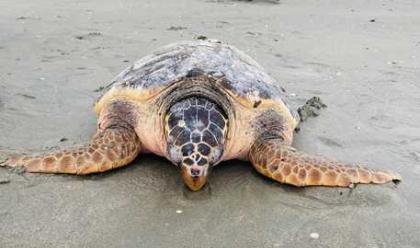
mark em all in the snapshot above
pixel 110 148
pixel 274 159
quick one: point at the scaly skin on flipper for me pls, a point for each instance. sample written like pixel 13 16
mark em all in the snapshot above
pixel 274 159
pixel 110 148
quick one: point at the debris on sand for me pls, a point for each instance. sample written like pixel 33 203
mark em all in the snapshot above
pixel 254 33
pixel 63 139
pixel 261 1
pixel 201 37
pixel 28 18
pixel 99 89
pixel 91 34
pixel 27 96
pixel 176 28
pixel 311 108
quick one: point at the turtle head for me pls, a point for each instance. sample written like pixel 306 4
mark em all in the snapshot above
pixel 196 131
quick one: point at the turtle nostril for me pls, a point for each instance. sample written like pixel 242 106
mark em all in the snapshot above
pixel 195 172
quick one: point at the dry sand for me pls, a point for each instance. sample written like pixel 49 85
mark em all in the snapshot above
pixel 361 57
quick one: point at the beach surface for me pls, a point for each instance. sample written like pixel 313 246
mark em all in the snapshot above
pixel 362 58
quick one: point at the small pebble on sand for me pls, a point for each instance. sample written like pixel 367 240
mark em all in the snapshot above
pixel 314 235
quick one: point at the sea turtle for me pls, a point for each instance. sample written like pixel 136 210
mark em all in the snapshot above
pixel 198 103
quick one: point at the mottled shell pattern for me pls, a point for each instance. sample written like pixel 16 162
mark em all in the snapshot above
pixel 240 75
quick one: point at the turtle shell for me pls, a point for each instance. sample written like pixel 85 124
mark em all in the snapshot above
pixel 240 74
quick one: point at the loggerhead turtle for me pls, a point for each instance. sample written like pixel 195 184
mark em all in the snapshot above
pixel 198 103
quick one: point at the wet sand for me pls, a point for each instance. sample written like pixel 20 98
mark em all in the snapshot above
pixel 361 57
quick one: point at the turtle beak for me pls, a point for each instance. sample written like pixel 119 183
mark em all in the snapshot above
pixel 194 176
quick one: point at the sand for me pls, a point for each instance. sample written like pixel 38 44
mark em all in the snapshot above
pixel 361 57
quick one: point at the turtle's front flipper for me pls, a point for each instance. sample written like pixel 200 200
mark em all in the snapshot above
pixel 110 148
pixel 276 160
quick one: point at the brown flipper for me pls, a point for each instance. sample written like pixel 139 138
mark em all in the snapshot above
pixel 274 159
pixel 110 148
